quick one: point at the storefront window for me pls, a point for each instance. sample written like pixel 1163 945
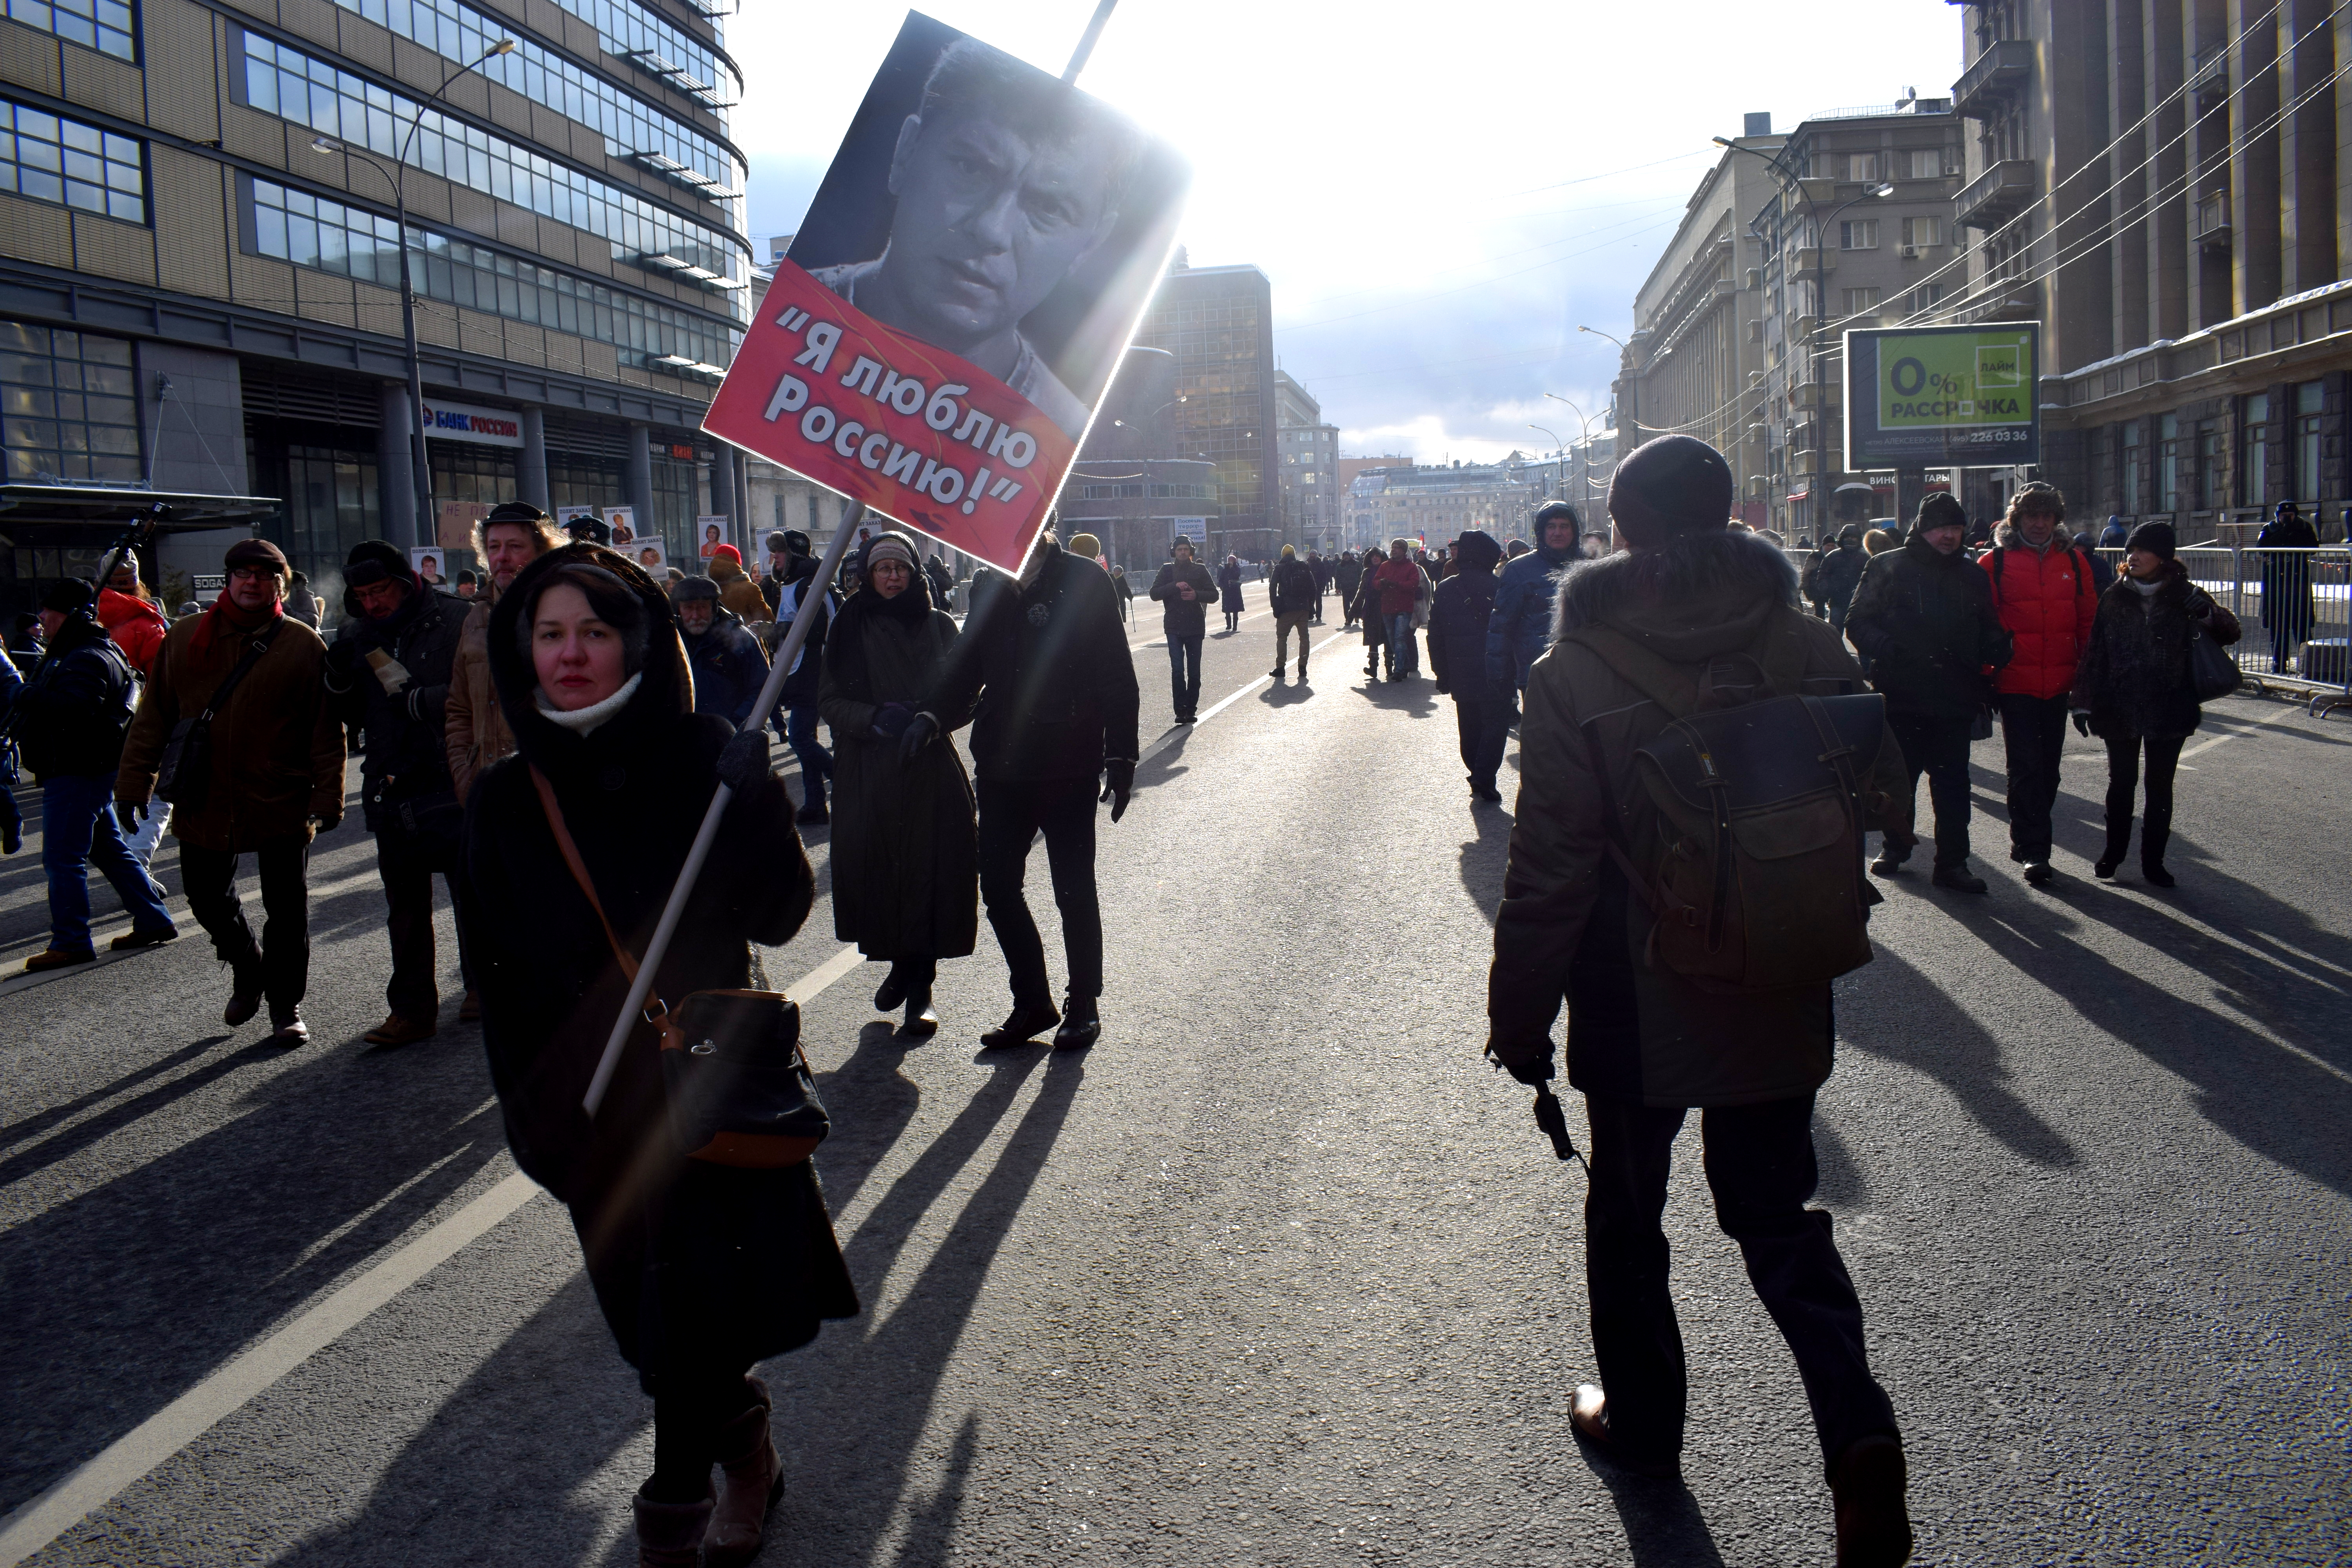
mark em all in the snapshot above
pixel 69 405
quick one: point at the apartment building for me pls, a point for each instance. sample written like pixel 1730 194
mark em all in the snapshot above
pixel 1309 471
pixel 2162 185
pixel 201 232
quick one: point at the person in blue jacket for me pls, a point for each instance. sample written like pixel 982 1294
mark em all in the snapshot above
pixel 1521 626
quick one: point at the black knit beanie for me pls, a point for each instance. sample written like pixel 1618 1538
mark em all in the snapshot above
pixel 72 596
pixel 374 561
pixel 1938 509
pixel 2156 538
pixel 1674 485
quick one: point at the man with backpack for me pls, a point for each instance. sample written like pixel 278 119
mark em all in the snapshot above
pixel 1666 1014
pixel 69 721
pixel 1924 618
pixel 2043 591
pixel 1840 573
pixel 266 777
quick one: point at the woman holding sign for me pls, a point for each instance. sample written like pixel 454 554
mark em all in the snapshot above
pixel 700 1270
pixel 906 853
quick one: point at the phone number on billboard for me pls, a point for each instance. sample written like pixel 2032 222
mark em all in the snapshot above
pixel 2011 436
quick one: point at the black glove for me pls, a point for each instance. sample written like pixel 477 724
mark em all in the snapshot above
pixel 922 731
pixel 744 762
pixel 2083 723
pixel 343 661
pixel 1119 783
pixel 890 720
pixel 1535 1072
pixel 128 817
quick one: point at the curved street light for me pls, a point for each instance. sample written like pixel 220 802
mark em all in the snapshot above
pixel 421 471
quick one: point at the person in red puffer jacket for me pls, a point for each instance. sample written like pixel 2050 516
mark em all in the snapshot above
pixel 135 622
pixel 2047 594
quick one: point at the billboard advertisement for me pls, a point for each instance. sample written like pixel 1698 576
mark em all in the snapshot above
pixel 936 341
pixel 1943 397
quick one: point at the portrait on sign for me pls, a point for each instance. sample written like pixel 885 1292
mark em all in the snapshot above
pixel 937 338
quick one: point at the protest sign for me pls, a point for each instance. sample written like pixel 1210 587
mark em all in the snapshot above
pixel 622 521
pixel 426 564
pixel 935 343
pixel 714 533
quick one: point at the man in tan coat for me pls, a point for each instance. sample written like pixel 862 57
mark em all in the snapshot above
pixel 273 777
pixel 1689 610
pixel 474 731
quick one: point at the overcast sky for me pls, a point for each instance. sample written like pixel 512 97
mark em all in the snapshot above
pixel 1441 194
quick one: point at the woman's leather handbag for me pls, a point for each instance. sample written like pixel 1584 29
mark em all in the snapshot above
pixel 738 1085
pixel 2212 673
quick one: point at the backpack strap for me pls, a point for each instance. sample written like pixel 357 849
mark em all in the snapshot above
pixel 657 1010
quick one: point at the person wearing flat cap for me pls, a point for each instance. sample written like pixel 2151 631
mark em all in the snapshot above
pixel 389 673
pixel 272 776
pixel 729 665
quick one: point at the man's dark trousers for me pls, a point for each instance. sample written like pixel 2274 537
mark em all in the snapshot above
pixel 280 962
pixel 1759 1164
pixel 1184 673
pixel 406 861
pixel 1011 813
pixel 1482 720
pixel 1938 748
pixel 2034 732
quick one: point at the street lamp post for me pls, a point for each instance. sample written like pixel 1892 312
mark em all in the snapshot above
pixel 420 469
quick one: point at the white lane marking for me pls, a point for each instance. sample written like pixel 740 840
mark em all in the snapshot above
pixel 2252 725
pixel 254 1369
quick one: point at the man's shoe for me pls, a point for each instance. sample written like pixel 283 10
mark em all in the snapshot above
pixel 1874 1530
pixel 1487 792
pixel 397 1030
pixel 1302 669
pixel 1589 1415
pixel 812 814
pixel 2041 872
pixel 1276 671
pixel 2103 868
pixel 2156 875
pixel 922 1019
pixel 1959 879
pixel 132 940
pixel 1022 1028
pixel 61 958
pixel 1887 864
pixel 288 1032
pixel 244 1002
pixel 1081 1025
pixel 470 1011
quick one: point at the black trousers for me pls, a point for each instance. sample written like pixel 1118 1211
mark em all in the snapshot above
pixel 2123 784
pixel 1938 748
pixel 280 961
pixel 2033 732
pixel 1011 813
pixel 1184 673
pixel 406 861
pixel 1759 1165
pixel 1481 722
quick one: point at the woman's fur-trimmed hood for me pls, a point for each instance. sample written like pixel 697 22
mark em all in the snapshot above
pixel 665 694
pixel 1709 578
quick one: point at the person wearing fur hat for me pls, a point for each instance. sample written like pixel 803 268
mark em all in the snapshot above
pixel 906 865
pixel 728 663
pixel 1924 617
pixel 2132 689
pixel 388 672
pixel 700 1270
pixel 1291 588
pixel 1458 615
pixel 274 777
pixel 1645 1045
pixel 68 721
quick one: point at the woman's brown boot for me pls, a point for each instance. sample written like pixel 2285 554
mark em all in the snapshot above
pixel 752 1479
pixel 669 1534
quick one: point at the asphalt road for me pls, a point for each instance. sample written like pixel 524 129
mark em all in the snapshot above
pixel 1280 1273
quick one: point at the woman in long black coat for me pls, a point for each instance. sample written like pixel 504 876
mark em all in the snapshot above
pixel 906 851
pixel 2131 689
pixel 1229 591
pixel 2287 608
pixel 700 1270
pixel 1366 607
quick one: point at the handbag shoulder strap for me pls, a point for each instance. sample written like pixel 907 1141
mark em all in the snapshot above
pixel 579 868
pixel 244 667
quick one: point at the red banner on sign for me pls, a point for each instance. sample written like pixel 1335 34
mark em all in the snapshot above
pixel 919 434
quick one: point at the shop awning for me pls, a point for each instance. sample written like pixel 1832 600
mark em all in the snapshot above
pixel 109 508
pixel 1799 495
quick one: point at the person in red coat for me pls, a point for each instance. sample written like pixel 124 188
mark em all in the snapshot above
pixel 2047 594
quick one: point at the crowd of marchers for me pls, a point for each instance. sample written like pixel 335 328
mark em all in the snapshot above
pixel 550 749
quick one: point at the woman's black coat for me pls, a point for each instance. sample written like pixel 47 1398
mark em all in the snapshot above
pixel 697 1267
pixel 2134 677
pixel 2288 610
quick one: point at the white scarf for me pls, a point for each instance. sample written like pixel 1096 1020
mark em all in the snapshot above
pixel 585 721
